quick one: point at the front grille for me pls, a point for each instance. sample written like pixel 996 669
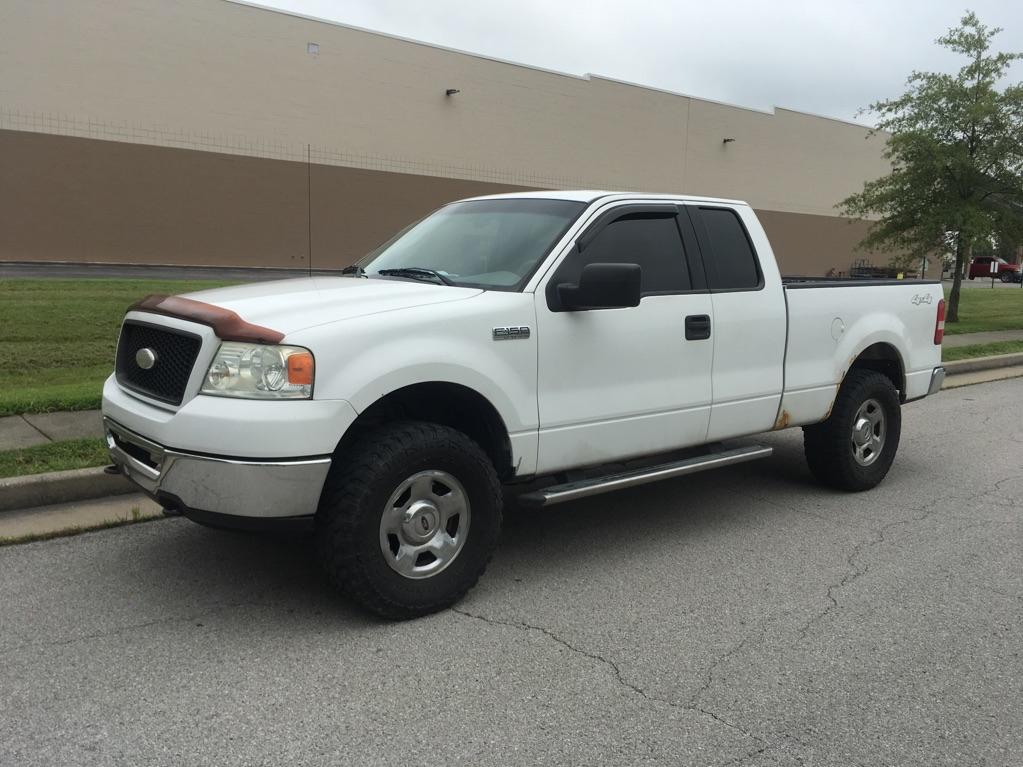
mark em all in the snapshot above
pixel 175 353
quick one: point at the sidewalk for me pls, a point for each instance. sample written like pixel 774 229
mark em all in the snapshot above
pixel 989 337
pixel 20 431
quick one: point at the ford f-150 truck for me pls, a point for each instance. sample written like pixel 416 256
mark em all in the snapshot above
pixel 571 343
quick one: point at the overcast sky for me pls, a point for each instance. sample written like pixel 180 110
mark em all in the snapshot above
pixel 820 56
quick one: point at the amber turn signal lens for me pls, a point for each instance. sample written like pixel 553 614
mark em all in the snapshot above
pixel 300 369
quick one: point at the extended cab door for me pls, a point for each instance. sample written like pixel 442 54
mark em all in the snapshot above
pixel 615 383
pixel 750 320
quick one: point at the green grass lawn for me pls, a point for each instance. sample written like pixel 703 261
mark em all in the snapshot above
pixel 981 350
pixel 980 310
pixel 55 456
pixel 58 338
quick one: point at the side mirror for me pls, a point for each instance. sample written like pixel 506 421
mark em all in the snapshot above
pixel 603 286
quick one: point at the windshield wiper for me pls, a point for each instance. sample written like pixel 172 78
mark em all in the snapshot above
pixel 355 269
pixel 416 273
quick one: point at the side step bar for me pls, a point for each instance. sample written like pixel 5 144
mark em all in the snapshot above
pixel 571 491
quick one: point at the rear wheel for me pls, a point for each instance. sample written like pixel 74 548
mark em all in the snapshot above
pixel 409 518
pixel 855 447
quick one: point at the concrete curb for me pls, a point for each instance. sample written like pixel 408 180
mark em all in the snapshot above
pixel 78 517
pixel 982 376
pixel 956 367
pixel 18 493
pixel 60 487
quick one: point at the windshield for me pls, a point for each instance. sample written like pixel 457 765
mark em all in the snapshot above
pixel 493 244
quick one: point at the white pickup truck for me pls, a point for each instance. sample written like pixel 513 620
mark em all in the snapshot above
pixel 525 339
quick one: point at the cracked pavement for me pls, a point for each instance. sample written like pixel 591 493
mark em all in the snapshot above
pixel 742 617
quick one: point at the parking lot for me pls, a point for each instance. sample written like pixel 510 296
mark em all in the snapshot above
pixel 986 283
pixel 744 616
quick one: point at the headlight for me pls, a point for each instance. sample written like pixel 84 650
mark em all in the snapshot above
pixel 258 371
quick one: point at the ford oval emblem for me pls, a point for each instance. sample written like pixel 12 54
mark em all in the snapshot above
pixel 145 358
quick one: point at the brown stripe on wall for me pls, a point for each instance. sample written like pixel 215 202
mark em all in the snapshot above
pixel 809 246
pixel 87 200
pixel 74 199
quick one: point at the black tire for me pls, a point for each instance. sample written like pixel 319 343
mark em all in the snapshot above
pixel 1005 276
pixel 829 445
pixel 356 493
pixel 972 277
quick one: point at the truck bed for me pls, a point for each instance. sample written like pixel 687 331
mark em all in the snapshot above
pixel 827 332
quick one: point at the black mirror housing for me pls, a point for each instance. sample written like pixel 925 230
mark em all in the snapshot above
pixel 603 286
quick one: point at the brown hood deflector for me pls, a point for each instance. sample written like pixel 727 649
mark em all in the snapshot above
pixel 226 324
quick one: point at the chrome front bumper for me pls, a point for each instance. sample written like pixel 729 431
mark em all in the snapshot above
pixel 937 379
pixel 257 488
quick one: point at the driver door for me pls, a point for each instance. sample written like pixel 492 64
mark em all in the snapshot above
pixel 617 383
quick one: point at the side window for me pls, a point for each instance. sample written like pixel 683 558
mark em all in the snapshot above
pixel 731 263
pixel 651 240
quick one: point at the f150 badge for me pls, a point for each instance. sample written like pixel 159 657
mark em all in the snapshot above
pixel 511 333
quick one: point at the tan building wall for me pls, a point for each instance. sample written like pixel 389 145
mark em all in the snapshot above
pixel 234 90
pixel 72 199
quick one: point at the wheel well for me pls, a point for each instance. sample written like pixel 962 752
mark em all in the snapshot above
pixel 884 359
pixel 443 403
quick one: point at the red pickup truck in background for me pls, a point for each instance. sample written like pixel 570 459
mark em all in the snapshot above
pixel 1006 272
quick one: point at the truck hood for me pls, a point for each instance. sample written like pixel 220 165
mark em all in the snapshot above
pixel 292 305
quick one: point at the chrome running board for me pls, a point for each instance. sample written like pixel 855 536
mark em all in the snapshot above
pixel 571 491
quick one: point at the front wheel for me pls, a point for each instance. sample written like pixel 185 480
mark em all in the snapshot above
pixel 855 447
pixel 409 518
pixel 1005 276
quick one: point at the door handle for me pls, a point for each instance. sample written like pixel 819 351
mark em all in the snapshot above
pixel 697 327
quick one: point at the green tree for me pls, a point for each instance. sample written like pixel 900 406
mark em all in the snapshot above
pixel 956 147
pixel 1007 245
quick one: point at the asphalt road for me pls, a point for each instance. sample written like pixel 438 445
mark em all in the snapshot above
pixel 738 617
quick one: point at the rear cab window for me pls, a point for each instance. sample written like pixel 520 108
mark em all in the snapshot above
pixel 728 253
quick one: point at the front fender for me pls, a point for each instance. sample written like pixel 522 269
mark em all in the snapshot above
pixel 370 357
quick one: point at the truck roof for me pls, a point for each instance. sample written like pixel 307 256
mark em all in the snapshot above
pixel 590 195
